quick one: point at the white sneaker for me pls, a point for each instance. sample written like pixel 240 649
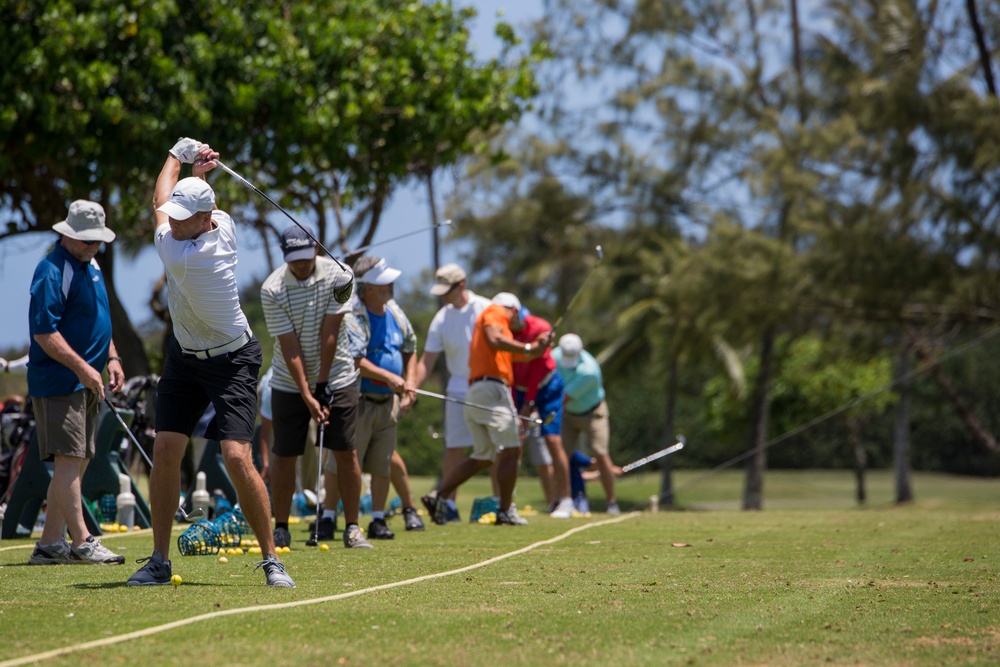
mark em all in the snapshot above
pixel 51 554
pixel 613 509
pixel 515 518
pixel 563 510
pixel 92 552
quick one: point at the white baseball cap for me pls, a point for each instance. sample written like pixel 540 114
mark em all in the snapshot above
pixel 191 195
pixel 380 274
pixel 571 346
pixel 508 300
pixel 85 222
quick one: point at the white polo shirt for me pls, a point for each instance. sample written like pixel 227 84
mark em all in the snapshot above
pixel 450 332
pixel 203 297
pixel 299 306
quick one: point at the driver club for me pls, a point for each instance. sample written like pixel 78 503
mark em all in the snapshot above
pixel 579 290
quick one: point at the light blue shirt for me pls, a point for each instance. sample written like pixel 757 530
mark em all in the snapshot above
pixel 584 386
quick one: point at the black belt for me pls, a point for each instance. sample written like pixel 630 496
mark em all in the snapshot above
pixel 377 398
pixel 587 412
pixel 488 378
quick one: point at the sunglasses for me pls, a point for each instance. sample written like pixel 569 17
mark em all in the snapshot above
pixel 90 242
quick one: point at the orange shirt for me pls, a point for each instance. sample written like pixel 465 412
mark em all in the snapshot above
pixel 484 359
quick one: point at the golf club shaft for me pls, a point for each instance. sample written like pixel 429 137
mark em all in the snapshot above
pixel 422 392
pixel 277 206
pixel 131 436
pixel 652 457
pixel 358 251
pixel 319 482
pixel 579 290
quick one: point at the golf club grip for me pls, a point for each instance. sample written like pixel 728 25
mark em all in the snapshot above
pixel 652 457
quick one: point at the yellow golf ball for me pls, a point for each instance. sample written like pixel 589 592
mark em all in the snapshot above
pixel 223 560
pixel 175 580
pixel 324 547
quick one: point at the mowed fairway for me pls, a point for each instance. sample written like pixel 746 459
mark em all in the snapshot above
pixel 910 585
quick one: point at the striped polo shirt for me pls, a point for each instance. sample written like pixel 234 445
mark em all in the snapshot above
pixel 299 307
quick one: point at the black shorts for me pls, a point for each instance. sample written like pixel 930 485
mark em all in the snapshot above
pixel 189 384
pixel 291 421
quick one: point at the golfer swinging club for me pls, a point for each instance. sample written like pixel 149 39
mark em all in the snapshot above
pixel 212 356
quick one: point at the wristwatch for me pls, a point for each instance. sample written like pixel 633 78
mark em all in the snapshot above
pixel 118 359
pixel 527 348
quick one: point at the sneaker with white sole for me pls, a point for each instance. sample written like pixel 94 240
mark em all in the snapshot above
pixel 155 572
pixel 515 518
pixel 353 539
pixel 51 554
pixel 563 510
pixel 92 552
pixel 274 570
pixel 613 509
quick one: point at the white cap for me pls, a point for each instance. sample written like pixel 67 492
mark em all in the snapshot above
pixel 570 345
pixel 191 195
pixel 85 222
pixel 380 274
pixel 509 300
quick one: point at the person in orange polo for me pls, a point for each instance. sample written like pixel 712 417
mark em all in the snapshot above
pixel 493 419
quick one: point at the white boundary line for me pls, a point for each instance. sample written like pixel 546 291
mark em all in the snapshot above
pixel 137 634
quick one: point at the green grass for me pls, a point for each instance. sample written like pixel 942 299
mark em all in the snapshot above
pixel 887 585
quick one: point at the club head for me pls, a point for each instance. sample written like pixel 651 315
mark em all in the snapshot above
pixel 681 439
pixel 311 542
pixel 549 418
pixel 343 286
pixel 600 252
pixel 194 516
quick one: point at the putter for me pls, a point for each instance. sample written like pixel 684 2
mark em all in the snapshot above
pixel 195 515
pixel 657 455
pixel 579 290
pixel 532 420
pixel 320 491
pixel 341 290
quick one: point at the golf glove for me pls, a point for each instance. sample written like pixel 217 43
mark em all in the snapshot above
pixel 323 394
pixel 186 150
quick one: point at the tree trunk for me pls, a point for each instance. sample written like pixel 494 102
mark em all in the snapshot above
pixel 127 341
pixel 753 492
pixel 435 238
pixel 984 51
pixel 666 482
pixel 901 429
pixel 860 459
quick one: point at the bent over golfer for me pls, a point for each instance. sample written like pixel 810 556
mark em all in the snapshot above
pixel 211 357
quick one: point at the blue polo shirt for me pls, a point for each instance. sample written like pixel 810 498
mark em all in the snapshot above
pixel 67 296
pixel 384 350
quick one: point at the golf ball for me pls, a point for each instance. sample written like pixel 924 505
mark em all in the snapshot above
pixel 223 560
pixel 175 580
pixel 324 547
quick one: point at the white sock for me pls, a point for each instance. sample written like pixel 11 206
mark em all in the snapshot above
pixel 330 514
pixel 378 515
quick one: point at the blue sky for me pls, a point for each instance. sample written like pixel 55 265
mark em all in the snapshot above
pixel 408 211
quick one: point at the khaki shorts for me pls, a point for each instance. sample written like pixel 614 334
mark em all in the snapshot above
pixel 492 429
pixel 374 436
pixel 66 425
pixel 594 425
